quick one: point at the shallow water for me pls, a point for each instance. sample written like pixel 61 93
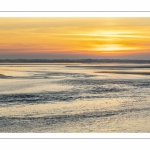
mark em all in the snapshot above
pixel 77 97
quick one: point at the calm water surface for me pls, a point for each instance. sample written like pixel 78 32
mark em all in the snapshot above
pixel 77 97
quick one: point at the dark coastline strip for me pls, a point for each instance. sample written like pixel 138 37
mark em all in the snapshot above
pixel 2 61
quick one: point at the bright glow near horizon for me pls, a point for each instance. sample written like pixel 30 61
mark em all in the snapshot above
pixel 75 38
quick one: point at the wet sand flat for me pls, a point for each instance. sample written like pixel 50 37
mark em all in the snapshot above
pixel 56 98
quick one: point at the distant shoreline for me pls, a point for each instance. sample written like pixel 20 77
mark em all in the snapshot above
pixel 72 61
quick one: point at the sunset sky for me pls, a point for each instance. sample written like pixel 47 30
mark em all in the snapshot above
pixel 75 38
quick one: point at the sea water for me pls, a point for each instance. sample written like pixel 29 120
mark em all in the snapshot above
pixel 74 97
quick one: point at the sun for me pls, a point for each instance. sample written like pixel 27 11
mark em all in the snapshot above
pixel 113 49
pixel 114 43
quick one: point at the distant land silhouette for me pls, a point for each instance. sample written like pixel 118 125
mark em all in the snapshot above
pixel 72 61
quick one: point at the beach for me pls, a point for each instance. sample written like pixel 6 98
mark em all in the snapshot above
pixel 74 98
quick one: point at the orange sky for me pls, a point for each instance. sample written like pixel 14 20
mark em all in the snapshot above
pixel 75 37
